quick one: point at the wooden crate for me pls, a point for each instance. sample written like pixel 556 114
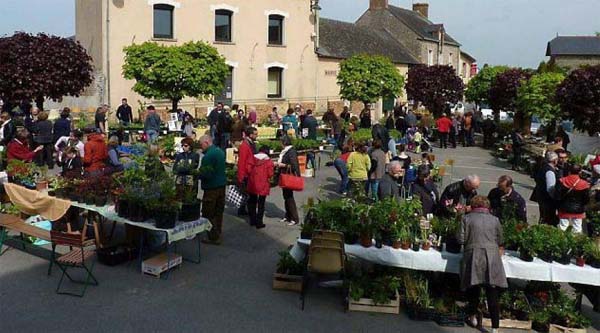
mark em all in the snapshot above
pixel 161 263
pixel 509 323
pixel 287 282
pixel 367 305
pixel 560 329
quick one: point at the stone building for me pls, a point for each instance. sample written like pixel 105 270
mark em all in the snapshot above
pixel 279 51
pixel 574 51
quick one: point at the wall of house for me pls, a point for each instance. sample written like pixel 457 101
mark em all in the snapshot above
pixel 465 73
pixel 438 58
pixel 248 52
pixel 573 62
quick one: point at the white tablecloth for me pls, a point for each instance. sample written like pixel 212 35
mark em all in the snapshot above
pixel 436 261
pixel 180 231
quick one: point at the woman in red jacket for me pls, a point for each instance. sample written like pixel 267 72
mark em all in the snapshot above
pixel 259 187
pixel 18 148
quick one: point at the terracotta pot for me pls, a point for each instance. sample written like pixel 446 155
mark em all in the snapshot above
pixel 405 245
pixel 580 261
pixel 426 246
pixel 501 250
pixel 366 240
pixel 41 185
pixel 396 244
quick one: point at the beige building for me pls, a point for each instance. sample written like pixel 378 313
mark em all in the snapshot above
pixel 279 51
pixel 572 52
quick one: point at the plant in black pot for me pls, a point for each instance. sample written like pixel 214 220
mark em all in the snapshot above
pixel 166 207
pixel 579 246
pixel 452 227
pixel 562 247
pixel 190 204
pixel 592 254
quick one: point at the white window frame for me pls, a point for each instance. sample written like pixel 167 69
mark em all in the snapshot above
pixel 284 24
pixel 430 57
pixel 451 59
pixel 283 68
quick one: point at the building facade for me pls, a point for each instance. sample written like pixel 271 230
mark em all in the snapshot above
pixel 572 52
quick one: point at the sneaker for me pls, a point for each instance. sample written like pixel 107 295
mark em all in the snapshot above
pixel 293 223
pixel 260 226
pixel 344 194
pixel 283 220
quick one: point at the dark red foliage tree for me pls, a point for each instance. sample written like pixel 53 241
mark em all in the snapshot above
pixel 434 86
pixel 504 91
pixel 579 98
pixel 35 67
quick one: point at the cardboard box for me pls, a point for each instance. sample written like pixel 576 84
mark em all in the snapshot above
pixel 159 264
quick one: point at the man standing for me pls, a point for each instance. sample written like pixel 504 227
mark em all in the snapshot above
pixel 365 116
pixel 152 124
pixel 345 115
pixel 489 127
pixel 311 124
pixel 457 196
pixel 517 147
pixel 100 119
pixel 212 175
pixel 505 202
pixel 245 160
pixel 124 113
pixel 563 165
pixel 224 127
pixel 389 187
pixel 213 119
pixel 443 124
pixel 411 119
pixel 543 193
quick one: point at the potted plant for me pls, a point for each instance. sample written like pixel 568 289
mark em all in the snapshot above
pixel 416 243
pixel 418 300
pixel 190 205
pixel 592 254
pixel 593 225
pixel 41 179
pixel 448 313
pixel 452 227
pixel 426 242
pixel 289 273
pixel 21 173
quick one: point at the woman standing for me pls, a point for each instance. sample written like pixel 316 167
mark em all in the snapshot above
pixel 377 168
pixel 288 163
pixel 481 266
pixel 359 164
pixel 185 163
pixel 259 187
pixel 43 137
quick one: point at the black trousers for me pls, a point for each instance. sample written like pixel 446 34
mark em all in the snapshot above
pixel 443 140
pixel 291 211
pixel 44 157
pixel 548 214
pixel 256 215
pixel 452 138
pixel 517 152
pixel 492 295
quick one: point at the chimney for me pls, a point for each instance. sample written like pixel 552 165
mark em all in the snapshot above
pixel 378 4
pixel 421 8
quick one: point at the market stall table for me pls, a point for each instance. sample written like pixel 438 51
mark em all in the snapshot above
pixel 437 261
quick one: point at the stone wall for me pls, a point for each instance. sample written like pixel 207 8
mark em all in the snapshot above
pixel 574 62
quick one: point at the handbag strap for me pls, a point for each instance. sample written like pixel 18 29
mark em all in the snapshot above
pixel 572 187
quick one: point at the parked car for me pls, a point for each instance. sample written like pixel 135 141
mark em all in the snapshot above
pixel 536 123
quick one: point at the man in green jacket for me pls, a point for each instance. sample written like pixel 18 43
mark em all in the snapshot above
pixel 212 175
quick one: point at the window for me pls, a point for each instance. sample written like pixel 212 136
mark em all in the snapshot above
pixel 450 60
pixel 464 70
pixel 275 79
pixel 430 58
pixel 223 25
pixel 275 30
pixel 163 21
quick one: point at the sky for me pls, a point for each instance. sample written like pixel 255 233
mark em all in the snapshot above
pixel 496 32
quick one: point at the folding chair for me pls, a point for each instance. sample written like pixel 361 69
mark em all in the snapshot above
pixel 75 258
pixel 327 234
pixel 323 260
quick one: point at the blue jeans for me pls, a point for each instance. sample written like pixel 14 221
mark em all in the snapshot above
pixel 392 148
pixel 342 169
pixel 224 140
pixel 373 184
pixel 152 135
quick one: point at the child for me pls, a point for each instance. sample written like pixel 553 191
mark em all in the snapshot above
pixel 72 166
pixel 259 186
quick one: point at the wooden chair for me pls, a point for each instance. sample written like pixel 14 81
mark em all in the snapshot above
pixel 75 258
pixel 323 260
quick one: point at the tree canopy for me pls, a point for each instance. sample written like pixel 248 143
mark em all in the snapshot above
pixel 35 67
pixel 579 98
pixel 367 78
pixel 434 86
pixel 194 69
pixel 537 96
pixel 478 88
pixel 505 88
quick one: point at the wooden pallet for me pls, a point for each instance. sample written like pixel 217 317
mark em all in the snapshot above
pixel 367 305
pixel 287 282
pixel 509 323
pixel 560 329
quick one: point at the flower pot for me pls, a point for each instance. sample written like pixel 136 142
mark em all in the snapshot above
pixel 521 315
pixel 190 212
pixel 351 239
pixel 305 235
pixel 41 185
pixel 89 199
pixel 73 196
pixel 100 200
pixel 426 246
pixel 416 247
pixel 546 257
pixel 165 220
pixel 564 260
pixel 137 212
pixel 366 240
pixel 452 245
pixel 405 245
pixel 396 244
pixel 122 208
pixel 580 261
pixel 52 193
pixel 60 193
pixel 594 263
pixel 378 243
pixel 525 256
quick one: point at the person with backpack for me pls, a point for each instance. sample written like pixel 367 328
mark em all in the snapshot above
pixel 573 194
pixel 259 186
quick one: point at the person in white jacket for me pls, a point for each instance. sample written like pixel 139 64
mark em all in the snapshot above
pixel 73 140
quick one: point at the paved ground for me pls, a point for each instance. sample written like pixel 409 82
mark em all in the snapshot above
pixel 229 291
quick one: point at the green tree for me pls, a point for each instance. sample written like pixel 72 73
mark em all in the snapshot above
pixel 367 78
pixel 478 89
pixel 194 69
pixel 537 96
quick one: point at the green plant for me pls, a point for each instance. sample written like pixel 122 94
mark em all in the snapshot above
pixel 10 209
pixel 288 265
pixel 274 145
pixel 593 220
pixel 305 144
pixel 381 289
pixel 511 230
pixel 362 135
pixel 591 251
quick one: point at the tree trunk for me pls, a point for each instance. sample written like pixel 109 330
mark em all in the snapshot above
pixel 39 102
pixel 175 104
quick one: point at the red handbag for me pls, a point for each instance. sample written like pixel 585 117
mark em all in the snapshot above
pixel 291 182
